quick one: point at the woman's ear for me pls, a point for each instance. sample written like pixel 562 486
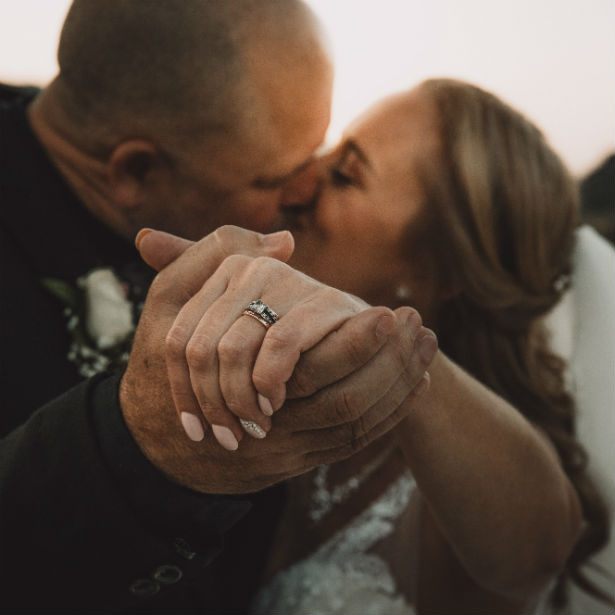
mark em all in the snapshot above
pixel 133 168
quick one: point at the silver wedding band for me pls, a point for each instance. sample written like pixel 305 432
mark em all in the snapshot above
pixel 262 312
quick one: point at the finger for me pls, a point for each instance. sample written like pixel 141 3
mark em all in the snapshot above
pixel 343 441
pixel 185 276
pixel 341 352
pixel 423 385
pixel 222 340
pixel 356 430
pixel 339 453
pixel 323 446
pixel 344 402
pixel 158 249
pixel 306 324
pixel 236 354
pixel 192 364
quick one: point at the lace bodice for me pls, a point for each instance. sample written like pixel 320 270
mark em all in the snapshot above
pixel 344 575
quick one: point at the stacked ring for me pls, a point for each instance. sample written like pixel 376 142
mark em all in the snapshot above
pixel 262 312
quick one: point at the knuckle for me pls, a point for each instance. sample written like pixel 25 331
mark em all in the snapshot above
pixel 301 383
pixel 233 262
pixel 273 269
pixel 198 352
pixel 226 238
pixel 175 343
pixel 329 295
pixel 230 350
pixel 355 347
pixel 264 263
pixel 346 404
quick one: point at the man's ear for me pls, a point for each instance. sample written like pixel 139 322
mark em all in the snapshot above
pixel 133 168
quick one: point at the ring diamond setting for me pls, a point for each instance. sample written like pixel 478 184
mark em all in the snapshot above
pixel 260 311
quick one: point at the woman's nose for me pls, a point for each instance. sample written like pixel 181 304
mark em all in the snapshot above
pixel 303 188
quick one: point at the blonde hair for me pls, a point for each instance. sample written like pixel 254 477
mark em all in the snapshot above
pixel 500 215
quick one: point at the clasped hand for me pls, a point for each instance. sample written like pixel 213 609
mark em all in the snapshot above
pixel 339 370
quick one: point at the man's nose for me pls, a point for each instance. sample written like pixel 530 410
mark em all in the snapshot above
pixel 303 188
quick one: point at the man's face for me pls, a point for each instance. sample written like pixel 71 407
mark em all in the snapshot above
pixel 239 180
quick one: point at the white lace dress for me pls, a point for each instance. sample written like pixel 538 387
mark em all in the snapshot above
pixel 344 575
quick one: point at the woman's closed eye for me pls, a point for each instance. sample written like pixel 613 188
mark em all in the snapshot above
pixel 340 178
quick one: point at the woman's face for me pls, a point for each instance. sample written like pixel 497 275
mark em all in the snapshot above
pixel 351 236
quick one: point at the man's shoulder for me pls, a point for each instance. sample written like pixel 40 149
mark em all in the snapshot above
pixel 11 95
pixel 14 101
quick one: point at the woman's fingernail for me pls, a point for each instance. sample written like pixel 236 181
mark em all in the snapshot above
pixel 253 429
pixel 142 233
pixel 225 437
pixel 428 345
pixel 265 405
pixel 423 385
pixel 192 426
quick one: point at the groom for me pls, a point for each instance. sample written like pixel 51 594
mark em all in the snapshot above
pixel 183 116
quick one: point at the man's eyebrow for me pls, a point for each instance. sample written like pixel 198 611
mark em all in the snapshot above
pixel 280 180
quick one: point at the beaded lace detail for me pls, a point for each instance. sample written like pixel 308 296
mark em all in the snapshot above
pixel 341 576
pixel 324 498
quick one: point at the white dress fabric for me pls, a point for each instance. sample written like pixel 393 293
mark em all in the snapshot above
pixel 344 576
pixel 583 332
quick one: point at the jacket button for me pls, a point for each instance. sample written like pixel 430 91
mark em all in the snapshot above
pixel 183 548
pixel 144 588
pixel 167 574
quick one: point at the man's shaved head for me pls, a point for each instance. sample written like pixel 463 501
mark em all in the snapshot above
pixel 170 69
pixel 185 115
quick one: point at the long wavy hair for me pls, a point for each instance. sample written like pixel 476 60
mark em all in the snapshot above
pixel 500 218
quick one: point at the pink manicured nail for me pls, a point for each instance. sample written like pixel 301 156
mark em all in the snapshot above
pixel 225 437
pixel 265 405
pixel 192 426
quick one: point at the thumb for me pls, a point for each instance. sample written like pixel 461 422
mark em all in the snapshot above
pixel 158 249
pixel 280 245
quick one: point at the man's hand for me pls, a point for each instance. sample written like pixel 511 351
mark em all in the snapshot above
pixel 352 385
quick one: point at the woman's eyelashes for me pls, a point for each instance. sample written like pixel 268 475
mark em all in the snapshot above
pixel 346 175
pixel 339 178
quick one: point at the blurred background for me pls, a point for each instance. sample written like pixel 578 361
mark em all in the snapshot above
pixel 552 59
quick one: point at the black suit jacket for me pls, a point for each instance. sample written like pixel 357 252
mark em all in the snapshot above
pixel 85 521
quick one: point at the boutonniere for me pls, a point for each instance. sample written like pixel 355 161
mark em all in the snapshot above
pixel 100 317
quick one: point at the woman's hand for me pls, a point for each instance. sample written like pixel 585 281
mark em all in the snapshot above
pixel 224 366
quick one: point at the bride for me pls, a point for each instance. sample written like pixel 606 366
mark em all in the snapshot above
pixel 445 199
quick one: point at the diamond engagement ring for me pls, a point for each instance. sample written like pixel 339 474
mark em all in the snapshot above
pixel 262 312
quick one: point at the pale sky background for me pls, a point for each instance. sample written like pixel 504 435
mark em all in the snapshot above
pixel 553 59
